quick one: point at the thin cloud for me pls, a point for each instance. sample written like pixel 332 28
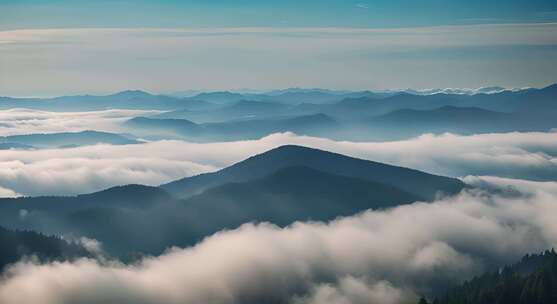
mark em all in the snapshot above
pixel 221 58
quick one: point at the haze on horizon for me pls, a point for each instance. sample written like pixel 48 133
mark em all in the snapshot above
pixel 50 48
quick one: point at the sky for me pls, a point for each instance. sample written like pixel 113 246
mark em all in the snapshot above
pixel 74 47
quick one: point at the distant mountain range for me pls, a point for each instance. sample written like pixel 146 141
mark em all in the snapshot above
pixel 459 120
pixel 225 116
pixel 122 100
pixel 493 98
pixel 316 125
pixel 284 185
pixel 237 110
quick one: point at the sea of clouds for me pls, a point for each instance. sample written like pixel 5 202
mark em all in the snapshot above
pixel 530 156
pixel 389 256
pixel 377 256
pixel 29 121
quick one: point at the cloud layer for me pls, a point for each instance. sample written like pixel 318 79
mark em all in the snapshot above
pixel 86 169
pixel 26 121
pixel 62 61
pixel 387 256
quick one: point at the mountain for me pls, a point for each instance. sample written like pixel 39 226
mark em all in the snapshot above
pixel 132 99
pixel 294 194
pixel 305 90
pixel 342 106
pixel 237 110
pixel 292 96
pixel 482 90
pixel 166 128
pixel 423 185
pixel 14 245
pixel 115 216
pixel 538 102
pixel 284 185
pixel 523 101
pixel 219 97
pixel 130 94
pixel 64 139
pixel 14 146
pixel 315 96
pixel 460 120
pixel 128 196
pixel 533 280
pixel 453 114
pixel 316 125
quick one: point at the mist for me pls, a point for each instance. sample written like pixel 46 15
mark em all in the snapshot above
pixel 400 253
pixel 27 121
pixel 530 155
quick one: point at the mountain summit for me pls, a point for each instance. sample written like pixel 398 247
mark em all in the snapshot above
pixel 424 185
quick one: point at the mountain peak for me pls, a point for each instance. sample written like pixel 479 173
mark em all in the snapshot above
pixel 132 93
pixel 292 149
pixel 552 87
pixel 419 183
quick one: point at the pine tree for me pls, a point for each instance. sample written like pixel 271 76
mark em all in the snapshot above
pixel 423 301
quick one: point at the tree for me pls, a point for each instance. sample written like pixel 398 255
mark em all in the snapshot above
pixel 423 301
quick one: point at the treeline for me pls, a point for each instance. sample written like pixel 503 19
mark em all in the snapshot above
pixel 14 245
pixel 533 280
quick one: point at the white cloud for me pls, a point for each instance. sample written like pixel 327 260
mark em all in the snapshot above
pixel 350 290
pixel 387 256
pixel 7 192
pixel 86 169
pixel 92 246
pixel 523 186
pixel 27 121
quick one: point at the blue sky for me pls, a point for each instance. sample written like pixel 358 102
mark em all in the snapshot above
pixel 294 13
pixel 75 47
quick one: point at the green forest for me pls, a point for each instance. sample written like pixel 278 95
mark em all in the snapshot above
pixel 533 280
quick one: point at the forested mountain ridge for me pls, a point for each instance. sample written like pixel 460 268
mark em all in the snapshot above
pixel 533 280
pixel 421 184
pixel 14 245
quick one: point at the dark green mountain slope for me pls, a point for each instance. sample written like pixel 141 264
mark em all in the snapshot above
pixel 117 217
pixel 15 245
pixel 533 280
pixel 284 185
pixel 420 184
pixel 294 193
